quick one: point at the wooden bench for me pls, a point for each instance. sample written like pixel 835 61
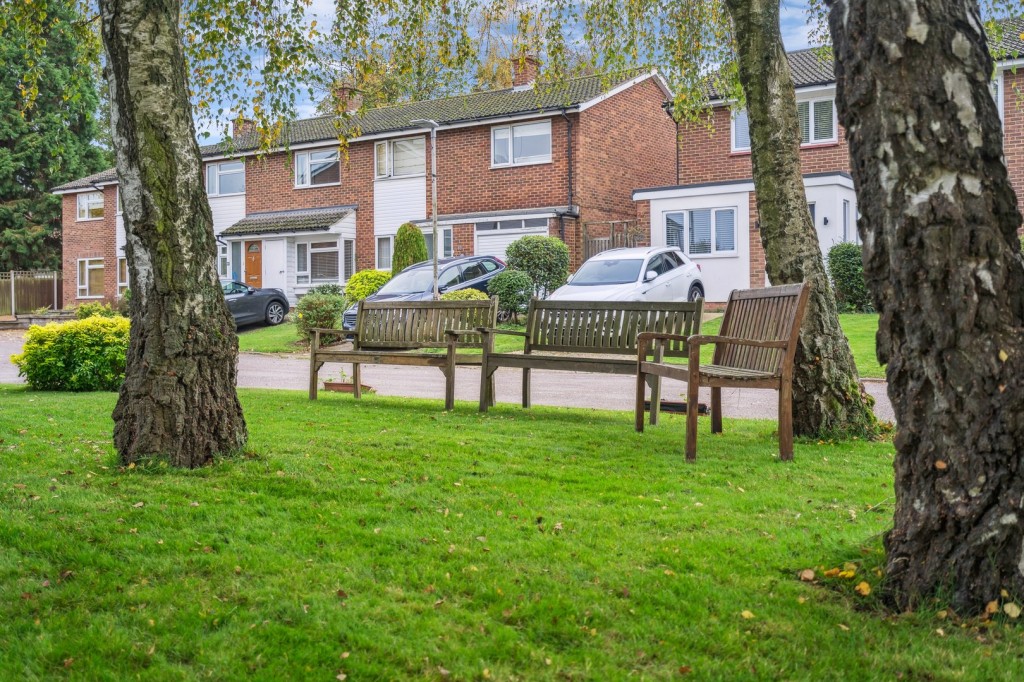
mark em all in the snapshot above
pixel 586 336
pixel 389 333
pixel 754 349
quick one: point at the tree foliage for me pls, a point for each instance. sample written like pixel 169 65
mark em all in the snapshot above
pixel 544 259
pixel 846 270
pixel 51 141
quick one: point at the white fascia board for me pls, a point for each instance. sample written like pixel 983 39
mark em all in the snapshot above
pixel 828 180
pixel 695 191
pixel 1009 64
pixel 91 188
pixel 625 86
pixel 427 222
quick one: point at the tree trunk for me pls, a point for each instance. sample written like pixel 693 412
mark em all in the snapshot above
pixel 828 397
pixel 939 221
pixel 178 400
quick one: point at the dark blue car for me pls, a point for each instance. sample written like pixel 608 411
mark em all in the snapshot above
pixel 416 282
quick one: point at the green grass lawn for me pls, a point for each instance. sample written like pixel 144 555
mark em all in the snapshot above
pixel 284 338
pixel 384 539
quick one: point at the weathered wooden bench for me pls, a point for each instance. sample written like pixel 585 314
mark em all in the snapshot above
pixel 754 349
pixel 587 336
pixel 389 333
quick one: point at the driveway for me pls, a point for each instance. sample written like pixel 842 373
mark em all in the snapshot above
pixel 563 389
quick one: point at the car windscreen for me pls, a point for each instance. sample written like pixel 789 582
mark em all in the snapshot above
pixel 412 282
pixel 608 271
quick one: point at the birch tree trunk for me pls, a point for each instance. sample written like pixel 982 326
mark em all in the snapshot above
pixel 828 397
pixel 178 400
pixel 939 221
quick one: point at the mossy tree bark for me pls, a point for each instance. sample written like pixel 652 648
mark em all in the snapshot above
pixel 941 257
pixel 828 397
pixel 178 400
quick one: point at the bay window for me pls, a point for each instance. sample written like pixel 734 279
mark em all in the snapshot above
pixel 521 144
pixel 316 169
pixel 316 262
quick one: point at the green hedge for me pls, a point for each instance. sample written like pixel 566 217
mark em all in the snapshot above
pixel 847 272
pixel 80 355
pixel 544 259
pixel 410 247
pixel 514 289
pixel 95 309
pixel 365 283
pixel 465 295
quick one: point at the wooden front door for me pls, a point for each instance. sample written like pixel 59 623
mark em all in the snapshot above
pixel 254 264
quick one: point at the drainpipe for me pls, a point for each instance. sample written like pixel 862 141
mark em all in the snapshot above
pixel 568 157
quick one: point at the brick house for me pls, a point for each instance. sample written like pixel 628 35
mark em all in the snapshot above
pixel 711 211
pixel 524 160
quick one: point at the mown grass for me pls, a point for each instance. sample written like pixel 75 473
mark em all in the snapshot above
pixel 383 540
pixel 283 338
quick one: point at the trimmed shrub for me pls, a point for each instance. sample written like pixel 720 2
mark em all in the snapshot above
pixel 465 295
pixel 80 355
pixel 329 289
pixel 847 272
pixel 544 259
pixel 319 310
pixel 365 283
pixel 514 289
pixel 410 247
pixel 94 309
pixel 124 303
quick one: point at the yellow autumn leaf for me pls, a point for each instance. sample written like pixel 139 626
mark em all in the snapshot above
pixel 832 572
pixel 1011 610
pixel 747 614
pixel 1003 357
pixel 863 589
pixel 992 607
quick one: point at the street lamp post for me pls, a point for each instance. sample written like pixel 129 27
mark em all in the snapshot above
pixel 433 190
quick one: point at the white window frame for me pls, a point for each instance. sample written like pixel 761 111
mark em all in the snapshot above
pixel 376 250
pixel 83 287
pixel 996 87
pixel 122 285
pixel 117 200
pixel 715 252
pixel 218 172
pixel 810 119
pixel 224 260
pixel 310 250
pixel 389 159
pixel 442 233
pixel 84 205
pixel 306 154
pixel 511 128
pixel 732 131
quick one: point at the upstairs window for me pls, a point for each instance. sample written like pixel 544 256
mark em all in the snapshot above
pixel 521 145
pixel 400 158
pixel 316 169
pixel 740 131
pixel 90 206
pixel 225 178
pixel 817 121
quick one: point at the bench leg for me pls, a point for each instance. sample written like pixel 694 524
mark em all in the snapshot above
pixel 314 378
pixel 449 387
pixel 526 388
pixel 490 388
pixel 786 421
pixel 357 380
pixel 486 388
pixel 716 409
pixel 638 408
pixel 691 419
pixel 655 382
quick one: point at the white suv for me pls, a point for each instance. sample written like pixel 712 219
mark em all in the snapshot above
pixel 652 273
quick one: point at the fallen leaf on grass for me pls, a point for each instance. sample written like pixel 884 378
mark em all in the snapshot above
pixel 747 614
pixel 807 575
pixel 342 594
pixel 1011 610
pixel 863 589
pixel 832 572
pixel 844 628
pixel 992 607
pixel 685 670
pixel 139 504
pixel 341 676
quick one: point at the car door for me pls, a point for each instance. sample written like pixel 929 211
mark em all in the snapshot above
pixel 237 297
pixel 656 289
pixel 473 276
pixel 449 279
pixel 676 277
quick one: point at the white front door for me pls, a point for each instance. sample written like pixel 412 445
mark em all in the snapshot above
pixel 275 263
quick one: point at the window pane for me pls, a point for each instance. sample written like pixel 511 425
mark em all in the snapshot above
pixel 324 265
pixel 430 245
pixel 384 253
pixel 236 260
pixel 846 220
pixel 301 259
pixel 810 207
pixel 447 252
pixel 122 270
pixel 233 182
pixel 741 130
pixel 324 168
pixel 803 112
pixel 95 278
pixel 725 230
pixel 409 157
pixel 449 277
pixel 381 160
pixel 324 245
pixel 81 273
pixel 535 222
pixel 674 229
pixel 301 170
pixel 531 142
pixel 499 146
pixel 823 127
pixel 510 225
pixel 489 265
pixel 482 227
pixel 700 231
pixel 350 258
pixel 211 179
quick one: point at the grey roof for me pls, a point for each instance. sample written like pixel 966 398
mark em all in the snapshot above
pixel 478 106
pixel 1006 41
pixel 300 220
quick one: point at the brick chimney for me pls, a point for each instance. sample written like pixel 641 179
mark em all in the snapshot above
pixel 524 70
pixel 347 98
pixel 242 126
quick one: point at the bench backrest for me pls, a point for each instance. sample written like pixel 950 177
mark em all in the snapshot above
pixel 608 327
pixel 421 324
pixel 770 314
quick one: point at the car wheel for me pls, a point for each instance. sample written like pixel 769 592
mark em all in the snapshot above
pixel 275 313
pixel 696 291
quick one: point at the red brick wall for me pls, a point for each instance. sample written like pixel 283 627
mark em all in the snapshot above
pixel 463 239
pixel 705 155
pixel 90 239
pixel 1013 132
pixel 757 261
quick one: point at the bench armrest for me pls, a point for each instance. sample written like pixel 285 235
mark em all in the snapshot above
pixel 736 341
pixel 645 337
pixel 460 332
pixel 327 330
pixel 494 330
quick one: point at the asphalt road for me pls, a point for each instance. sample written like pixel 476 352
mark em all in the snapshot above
pixel 564 389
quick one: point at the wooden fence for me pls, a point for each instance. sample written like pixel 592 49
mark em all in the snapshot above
pixel 25 292
pixel 611 234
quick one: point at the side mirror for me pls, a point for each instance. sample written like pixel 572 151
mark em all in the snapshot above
pixel 250 290
pixel 651 274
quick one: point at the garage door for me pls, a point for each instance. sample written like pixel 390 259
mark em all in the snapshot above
pixel 493 237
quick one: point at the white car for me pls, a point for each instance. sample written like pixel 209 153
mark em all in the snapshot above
pixel 652 273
